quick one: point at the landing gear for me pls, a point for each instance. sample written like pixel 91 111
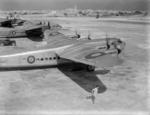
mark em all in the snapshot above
pixel 90 68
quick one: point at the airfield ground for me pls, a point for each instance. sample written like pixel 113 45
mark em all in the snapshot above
pixel 123 89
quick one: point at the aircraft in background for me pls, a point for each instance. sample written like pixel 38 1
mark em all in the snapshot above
pixel 27 31
pixel 13 20
pixel 72 35
pixel 11 23
pixel 61 50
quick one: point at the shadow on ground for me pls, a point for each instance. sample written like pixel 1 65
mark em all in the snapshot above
pixel 25 68
pixel 86 80
pixel 35 39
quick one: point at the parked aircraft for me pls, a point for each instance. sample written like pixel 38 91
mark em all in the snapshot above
pixel 91 53
pixel 26 31
pixel 12 21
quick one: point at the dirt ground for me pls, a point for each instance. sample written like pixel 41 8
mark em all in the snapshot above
pixel 123 88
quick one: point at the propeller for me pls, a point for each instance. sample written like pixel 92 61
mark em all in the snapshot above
pixel 120 46
pixel 77 34
pixel 89 35
pixel 107 43
pixel 40 23
pixel 49 26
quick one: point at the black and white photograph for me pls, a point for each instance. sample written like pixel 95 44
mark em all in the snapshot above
pixel 74 57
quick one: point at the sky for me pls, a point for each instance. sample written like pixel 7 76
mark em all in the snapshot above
pixel 81 4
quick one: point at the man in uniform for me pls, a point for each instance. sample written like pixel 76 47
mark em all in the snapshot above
pixel 94 93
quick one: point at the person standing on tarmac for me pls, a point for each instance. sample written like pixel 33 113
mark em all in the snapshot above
pixel 94 93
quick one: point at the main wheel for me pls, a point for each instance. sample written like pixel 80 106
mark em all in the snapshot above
pixel 90 68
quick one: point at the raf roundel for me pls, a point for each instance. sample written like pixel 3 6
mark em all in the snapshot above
pixel 94 55
pixel 31 59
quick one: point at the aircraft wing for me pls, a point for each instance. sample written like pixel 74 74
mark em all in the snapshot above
pixel 32 27
pixel 92 56
pixel 34 30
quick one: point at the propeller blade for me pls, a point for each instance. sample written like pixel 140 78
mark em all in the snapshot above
pixel 49 26
pixel 107 43
pixel 40 23
pixel 77 34
pixel 89 35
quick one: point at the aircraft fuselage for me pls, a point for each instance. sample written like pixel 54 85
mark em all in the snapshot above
pixel 45 57
pixel 50 56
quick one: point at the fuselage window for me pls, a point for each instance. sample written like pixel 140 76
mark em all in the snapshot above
pixel 42 59
pixel 50 58
pixel 46 58
pixel 54 58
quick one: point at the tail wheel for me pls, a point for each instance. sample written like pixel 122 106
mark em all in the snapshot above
pixel 90 68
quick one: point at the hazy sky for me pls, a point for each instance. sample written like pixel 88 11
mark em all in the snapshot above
pixel 83 4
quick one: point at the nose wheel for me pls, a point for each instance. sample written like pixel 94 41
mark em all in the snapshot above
pixel 90 68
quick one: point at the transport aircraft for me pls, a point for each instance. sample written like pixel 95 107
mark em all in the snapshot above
pixel 12 21
pixel 26 31
pixel 59 50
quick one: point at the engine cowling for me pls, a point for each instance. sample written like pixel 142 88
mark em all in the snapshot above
pixel 119 45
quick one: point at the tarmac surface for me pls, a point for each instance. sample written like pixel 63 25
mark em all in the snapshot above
pixel 123 89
